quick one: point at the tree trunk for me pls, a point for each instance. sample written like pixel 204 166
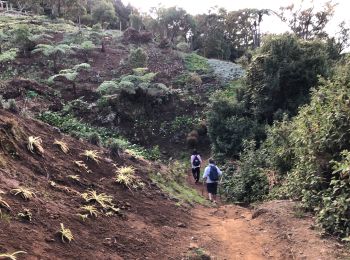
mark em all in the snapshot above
pixel 103 47
pixel 74 88
pixel 55 69
pixel 59 8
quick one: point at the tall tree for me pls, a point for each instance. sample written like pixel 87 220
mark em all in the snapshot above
pixel 307 23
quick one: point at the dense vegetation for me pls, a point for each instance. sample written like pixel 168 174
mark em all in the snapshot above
pixel 287 121
pixel 306 158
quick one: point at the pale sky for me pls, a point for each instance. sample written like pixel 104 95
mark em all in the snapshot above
pixel 270 24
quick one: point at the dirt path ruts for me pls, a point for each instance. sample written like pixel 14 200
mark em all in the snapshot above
pixel 229 232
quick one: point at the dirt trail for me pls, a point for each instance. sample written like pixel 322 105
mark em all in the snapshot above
pixel 226 233
pixel 272 231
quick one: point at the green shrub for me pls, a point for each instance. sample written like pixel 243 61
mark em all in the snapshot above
pixel 309 154
pixel 94 139
pixel 154 153
pixel 127 87
pixel 114 147
pixel 107 87
pixel 8 56
pixel 229 124
pixel 183 46
pixel 250 183
pixel 11 105
pixel 21 38
pixel 196 63
pixel 138 58
pixel 69 124
pixel 140 71
pixel 194 79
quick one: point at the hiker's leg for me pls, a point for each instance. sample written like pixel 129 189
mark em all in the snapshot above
pixel 215 191
pixel 198 170
pixel 209 189
pixel 194 173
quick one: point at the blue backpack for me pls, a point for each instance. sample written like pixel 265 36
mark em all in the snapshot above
pixel 213 174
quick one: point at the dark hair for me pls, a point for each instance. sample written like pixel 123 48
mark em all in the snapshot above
pixel 194 152
pixel 211 161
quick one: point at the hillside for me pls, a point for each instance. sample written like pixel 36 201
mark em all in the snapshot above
pixel 97 126
pixel 136 227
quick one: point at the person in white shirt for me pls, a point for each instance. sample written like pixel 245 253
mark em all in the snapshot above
pixel 212 175
pixel 196 162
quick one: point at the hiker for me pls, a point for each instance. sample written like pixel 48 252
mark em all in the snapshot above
pixel 212 174
pixel 196 161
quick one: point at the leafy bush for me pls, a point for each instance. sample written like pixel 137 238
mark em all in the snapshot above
pixel 138 58
pixel 8 56
pixel 107 87
pixel 196 63
pixel 281 75
pixel 155 153
pixel 229 124
pixel 21 38
pixel 69 124
pixel 94 139
pixel 250 183
pixel 183 46
pixel 310 154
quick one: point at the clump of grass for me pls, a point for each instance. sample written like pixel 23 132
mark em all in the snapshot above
pixel 104 200
pixel 66 234
pixel 62 145
pixel 35 144
pixel 25 193
pixel 4 204
pixel 92 155
pixel 95 139
pixel 74 177
pixel 83 217
pixel 125 176
pixel 25 215
pixel 196 63
pixel 12 106
pixel 90 210
pixel 82 165
pixel 12 256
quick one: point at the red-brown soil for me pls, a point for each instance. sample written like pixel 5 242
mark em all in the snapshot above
pixel 149 220
pixel 273 230
pixel 151 226
pixel 229 232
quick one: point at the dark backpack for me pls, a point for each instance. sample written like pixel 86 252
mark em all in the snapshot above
pixel 213 174
pixel 196 161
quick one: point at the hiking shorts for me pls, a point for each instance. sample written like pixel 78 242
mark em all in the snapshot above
pixel 212 188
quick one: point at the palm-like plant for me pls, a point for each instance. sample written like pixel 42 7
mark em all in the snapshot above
pixel 92 155
pixel 4 204
pixel 62 145
pixel 91 210
pixel 35 143
pixel 125 176
pixel 74 177
pixel 104 200
pixel 70 75
pixel 54 52
pixel 25 193
pixel 66 234
pixel 12 256
pixel 82 165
